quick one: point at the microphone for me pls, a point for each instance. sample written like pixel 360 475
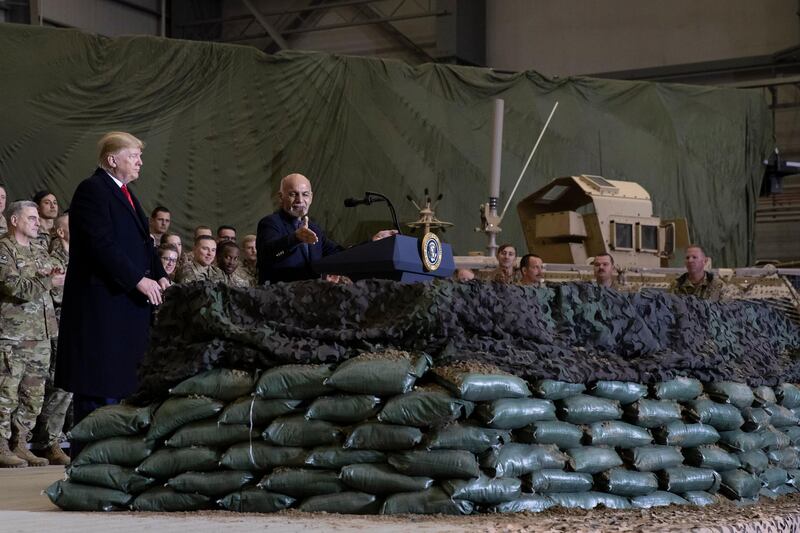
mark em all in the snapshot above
pixel 352 202
pixel 369 198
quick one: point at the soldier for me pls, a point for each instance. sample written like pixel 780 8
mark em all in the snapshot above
pixel 168 254
pixel 27 275
pixel 187 256
pixel 159 224
pixel 249 256
pixel 47 205
pixel 464 274
pixel 3 223
pixel 531 267
pixel 604 271
pixel 696 281
pixel 226 233
pixel 202 265
pixel 505 271
pixel 228 263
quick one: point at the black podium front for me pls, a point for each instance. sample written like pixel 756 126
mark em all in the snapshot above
pixel 398 258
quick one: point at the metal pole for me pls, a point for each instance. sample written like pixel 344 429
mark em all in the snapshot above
pixel 492 221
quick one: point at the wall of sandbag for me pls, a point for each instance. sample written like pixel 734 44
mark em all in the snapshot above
pixel 386 433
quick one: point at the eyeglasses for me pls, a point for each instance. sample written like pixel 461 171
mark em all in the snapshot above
pixel 169 260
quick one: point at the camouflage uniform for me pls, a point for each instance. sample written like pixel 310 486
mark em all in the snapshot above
pixel 240 278
pixel 502 276
pixel 184 260
pixel 3 225
pixel 710 288
pixel 194 271
pixel 43 239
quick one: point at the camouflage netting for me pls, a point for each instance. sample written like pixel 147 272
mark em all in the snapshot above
pixel 575 332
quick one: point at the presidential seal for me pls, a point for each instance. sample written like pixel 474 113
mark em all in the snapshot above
pixel 431 249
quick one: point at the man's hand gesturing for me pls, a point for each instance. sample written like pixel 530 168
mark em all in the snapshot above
pixel 304 234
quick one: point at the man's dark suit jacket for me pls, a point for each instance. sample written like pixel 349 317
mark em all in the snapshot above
pixel 105 321
pixel 281 257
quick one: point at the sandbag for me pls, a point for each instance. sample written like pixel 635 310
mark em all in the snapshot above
pixel 700 498
pixel 755 419
pixel 110 476
pixel 547 481
pixel 772 439
pixel 526 503
pixel 178 411
pixel 344 409
pixel 652 413
pixel 478 383
pixel 793 432
pixel 680 389
pixel 342 503
pixel 302 482
pixel 794 478
pixel 165 499
pixel 617 434
pixel 257 411
pixel 431 501
pixel 294 382
pixel 515 413
pixel 169 462
pixel 788 395
pixel 382 479
pixel 754 461
pixel 780 416
pixel 425 408
pixel 383 437
pixel 624 482
pixel 737 394
pixel 217 483
pixel 739 441
pixel 438 464
pixel 712 457
pixel 221 383
pixel 677 433
pixel 335 457
pixel 592 459
pixel 483 490
pixel 71 496
pixel 556 390
pixel 624 392
pixel 763 396
pixel 515 459
pixel 589 500
pixel 562 434
pixel 382 374
pixel 255 500
pixel 119 420
pixel 739 485
pixel 211 434
pixel 785 458
pixel 657 499
pixel 261 456
pixel 652 458
pixel 122 451
pixel 585 409
pixel 774 477
pixel 686 478
pixel 466 436
pixel 295 430
pixel 724 417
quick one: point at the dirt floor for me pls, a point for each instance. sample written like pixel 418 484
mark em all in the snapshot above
pixel 24 509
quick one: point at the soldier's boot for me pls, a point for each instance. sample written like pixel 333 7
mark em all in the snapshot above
pixel 19 446
pixel 55 455
pixel 9 459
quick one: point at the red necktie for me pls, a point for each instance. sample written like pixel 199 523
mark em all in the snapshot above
pixel 128 195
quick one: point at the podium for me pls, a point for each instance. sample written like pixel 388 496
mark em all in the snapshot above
pixel 398 257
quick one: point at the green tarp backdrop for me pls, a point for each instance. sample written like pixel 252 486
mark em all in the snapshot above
pixel 223 123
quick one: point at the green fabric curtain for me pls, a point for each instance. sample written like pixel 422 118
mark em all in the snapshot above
pixel 223 123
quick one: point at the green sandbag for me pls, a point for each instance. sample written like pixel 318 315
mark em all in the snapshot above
pixel 261 456
pixel 592 459
pixel 480 387
pixel 220 383
pixel 562 434
pixel 785 458
pixel 700 498
pixel 712 457
pixel 438 464
pixel 335 457
pixel 556 390
pixel 294 382
pixel 780 416
pixel 772 439
pixel 211 434
pixel 652 458
pixel 217 483
pixel 342 503
pixel 774 477
pixel 739 485
pixel 465 436
pixel 515 413
pixel 763 396
pixel 585 409
pixel 165 499
pixel 169 462
pixel 177 412
pixel 794 478
pixel 653 413
pixel 793 432
pixel 111 477
pixel 589 500
pixel 755 419
pixel 431 501
pixel 618 434
pixel 547 481
pixel 624 392
pixel 302 482
pixel 344 409
pixel 123 451
pixel 527 503
pixel 483 490
pixel 425 408
pixel 255 500
pixel 515 459
pixel 677 433
pixel 257 411
pixel 687 478
pixel 295 430
pixel 111 421
pixel 736 394
pixel 724 417
pixel 71 496
pixel 624 482
pixel 657 499
pixel 788 395
pixel 680 389
pixel 383 437
pixel 754 461
pixel 382 479
pixel 739 441
pixel 381 374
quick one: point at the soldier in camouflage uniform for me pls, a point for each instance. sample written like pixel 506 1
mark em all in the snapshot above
pixel 3 223
pixel 228 263
pixel 201 267
pixel 168 255
pixel 47 205
pixel 505 271
pixel 249 257
pixel 603 268
pixel 696 281
pixel 27 322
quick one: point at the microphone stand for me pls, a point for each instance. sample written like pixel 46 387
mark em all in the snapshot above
pixel 381 198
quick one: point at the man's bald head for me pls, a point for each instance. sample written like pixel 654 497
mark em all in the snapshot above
pixel 295 195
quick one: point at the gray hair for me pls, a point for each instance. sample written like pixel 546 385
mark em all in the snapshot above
pixel 15 208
